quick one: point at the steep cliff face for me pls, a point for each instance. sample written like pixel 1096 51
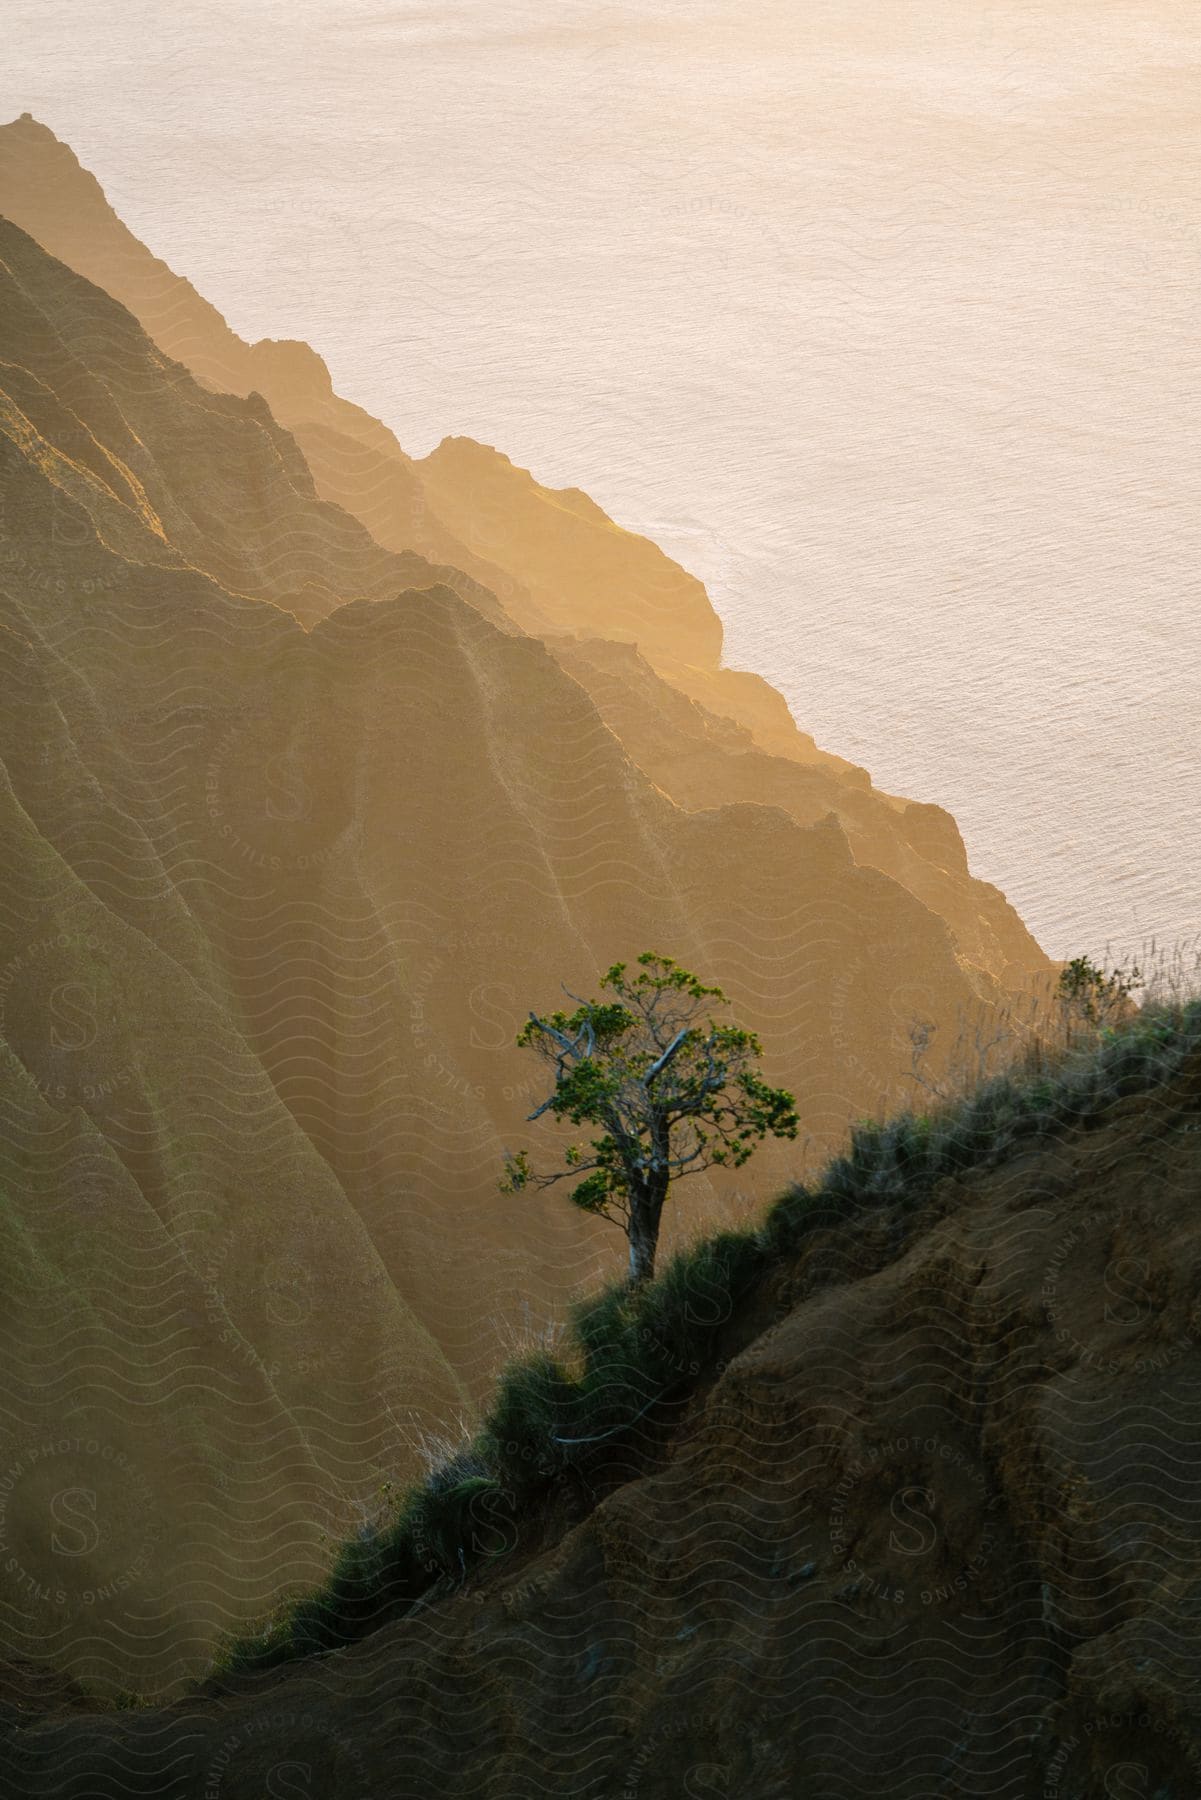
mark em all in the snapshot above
pixel 552 558
pixel 704 759
pixel 586 575
pixel 355 460
pixel 280 900
pixel 300 824
pixel 929 1524
pixel 170 472
pixel 177 1377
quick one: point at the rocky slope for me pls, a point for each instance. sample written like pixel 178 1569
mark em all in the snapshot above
pixel 553 557
pixel 355 460
pixel 930 1524
pixel 297 827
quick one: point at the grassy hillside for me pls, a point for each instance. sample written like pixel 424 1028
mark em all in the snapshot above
pixel 895 1494
pixel 570 1423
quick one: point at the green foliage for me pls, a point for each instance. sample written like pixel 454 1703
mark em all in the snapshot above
pixel 556 1421
pixel 670 1090
pixel 1092 994
pixel 534 1402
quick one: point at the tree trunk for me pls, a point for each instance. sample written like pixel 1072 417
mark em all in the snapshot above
pixel 642 1251
pixel 646 1206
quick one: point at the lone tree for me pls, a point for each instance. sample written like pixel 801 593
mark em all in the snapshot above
pixel 671 1091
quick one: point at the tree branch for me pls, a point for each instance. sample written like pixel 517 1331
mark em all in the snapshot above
pixel 662 1062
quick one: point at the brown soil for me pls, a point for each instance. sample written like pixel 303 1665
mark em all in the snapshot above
pixel 935 1530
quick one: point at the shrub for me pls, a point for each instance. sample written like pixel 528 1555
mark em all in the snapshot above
pixel 534 1403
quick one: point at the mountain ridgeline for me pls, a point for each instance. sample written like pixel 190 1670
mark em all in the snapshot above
pixel 319 766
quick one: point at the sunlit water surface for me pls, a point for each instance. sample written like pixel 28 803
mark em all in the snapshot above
pixel 882 318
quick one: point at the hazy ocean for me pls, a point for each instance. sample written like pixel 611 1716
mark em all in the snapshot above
pixel 880 315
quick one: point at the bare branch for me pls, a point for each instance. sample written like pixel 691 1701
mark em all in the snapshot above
pixel 580 1048
pixel 559 1036
pixel 680 1038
